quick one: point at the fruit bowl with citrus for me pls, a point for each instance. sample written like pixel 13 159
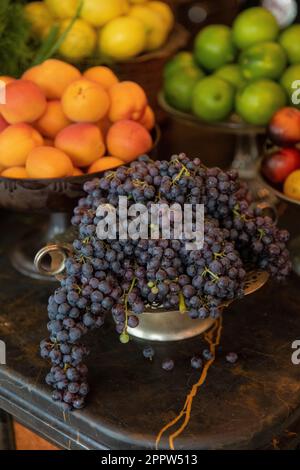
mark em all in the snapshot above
pixel 240 75
pixel 134 38
pixel 280 168
pixel 116 29
pixel 236 78
pixel 59 127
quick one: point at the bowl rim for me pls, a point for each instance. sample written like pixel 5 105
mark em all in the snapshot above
pixel 156 134
pixel 275 190
pixel 177 38
pixel 223 126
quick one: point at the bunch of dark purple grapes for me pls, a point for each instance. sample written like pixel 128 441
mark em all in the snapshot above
pixel 124 277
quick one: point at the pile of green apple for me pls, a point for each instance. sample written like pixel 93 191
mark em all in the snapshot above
pixel 250 70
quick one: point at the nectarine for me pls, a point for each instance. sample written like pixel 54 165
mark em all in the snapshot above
pixel 128 139
pixel 48 162
pixel 53 120
pixel 25 102
pixel 85 101
pixel 128 101
pixel 284 128
pixel 52 76
pixel 16 141
pixel 82 142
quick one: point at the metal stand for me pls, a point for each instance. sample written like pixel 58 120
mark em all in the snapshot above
pixel 23 253
pixel 246 156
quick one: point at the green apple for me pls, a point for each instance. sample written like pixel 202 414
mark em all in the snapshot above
pixel 213 99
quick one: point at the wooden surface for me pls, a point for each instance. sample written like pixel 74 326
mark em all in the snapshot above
pixel 242 406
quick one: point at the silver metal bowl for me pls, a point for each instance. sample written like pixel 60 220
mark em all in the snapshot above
pixel 162 325
pixel 155 324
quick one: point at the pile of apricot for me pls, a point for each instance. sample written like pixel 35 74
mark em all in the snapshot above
pixel 57 122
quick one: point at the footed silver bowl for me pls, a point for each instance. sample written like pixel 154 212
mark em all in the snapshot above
pixel 155 324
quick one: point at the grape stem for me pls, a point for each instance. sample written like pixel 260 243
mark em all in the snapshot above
pixel 126 304
pixel 183 171
pixel 182 306
pixel 213 275
pixel 262 233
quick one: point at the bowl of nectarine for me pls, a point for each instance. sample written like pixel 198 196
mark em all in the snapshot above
pixel 58 129
pixel 280 168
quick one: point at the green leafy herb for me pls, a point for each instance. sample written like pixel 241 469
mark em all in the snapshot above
pixel 15 51
pixel 54 40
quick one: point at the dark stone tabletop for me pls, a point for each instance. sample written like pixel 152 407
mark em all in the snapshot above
pixel 252 404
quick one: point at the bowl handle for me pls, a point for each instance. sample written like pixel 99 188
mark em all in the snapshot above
pixel 50 260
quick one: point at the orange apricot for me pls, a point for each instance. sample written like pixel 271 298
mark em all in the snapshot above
pixel 3 124
pixel 85 101
pixel 53 120
pixel 6 79
pixel 128 140
pixel 18 172
pixel 77 172
pixel 53 77
pixel 48 162
pixel 48 142
pixel 102 75
pixel 25 102
pixel 105 163
pixel 16 142
pixel 148 119
pixel 104 126
pixel 82 142
pixel 128 101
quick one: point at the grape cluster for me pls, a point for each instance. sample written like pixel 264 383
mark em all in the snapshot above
pixel 123 277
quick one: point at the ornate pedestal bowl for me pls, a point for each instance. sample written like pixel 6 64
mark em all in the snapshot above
pixel 248 142
pixel 55 198
pixel 286 203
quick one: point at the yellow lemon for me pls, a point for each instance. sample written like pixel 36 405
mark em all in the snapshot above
pixel 134 2
pixel 40 18
pixel 156 29
pixel 100 12
pixel 62 8
pixel 122 38
pixel 165 11
pixel 80 41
